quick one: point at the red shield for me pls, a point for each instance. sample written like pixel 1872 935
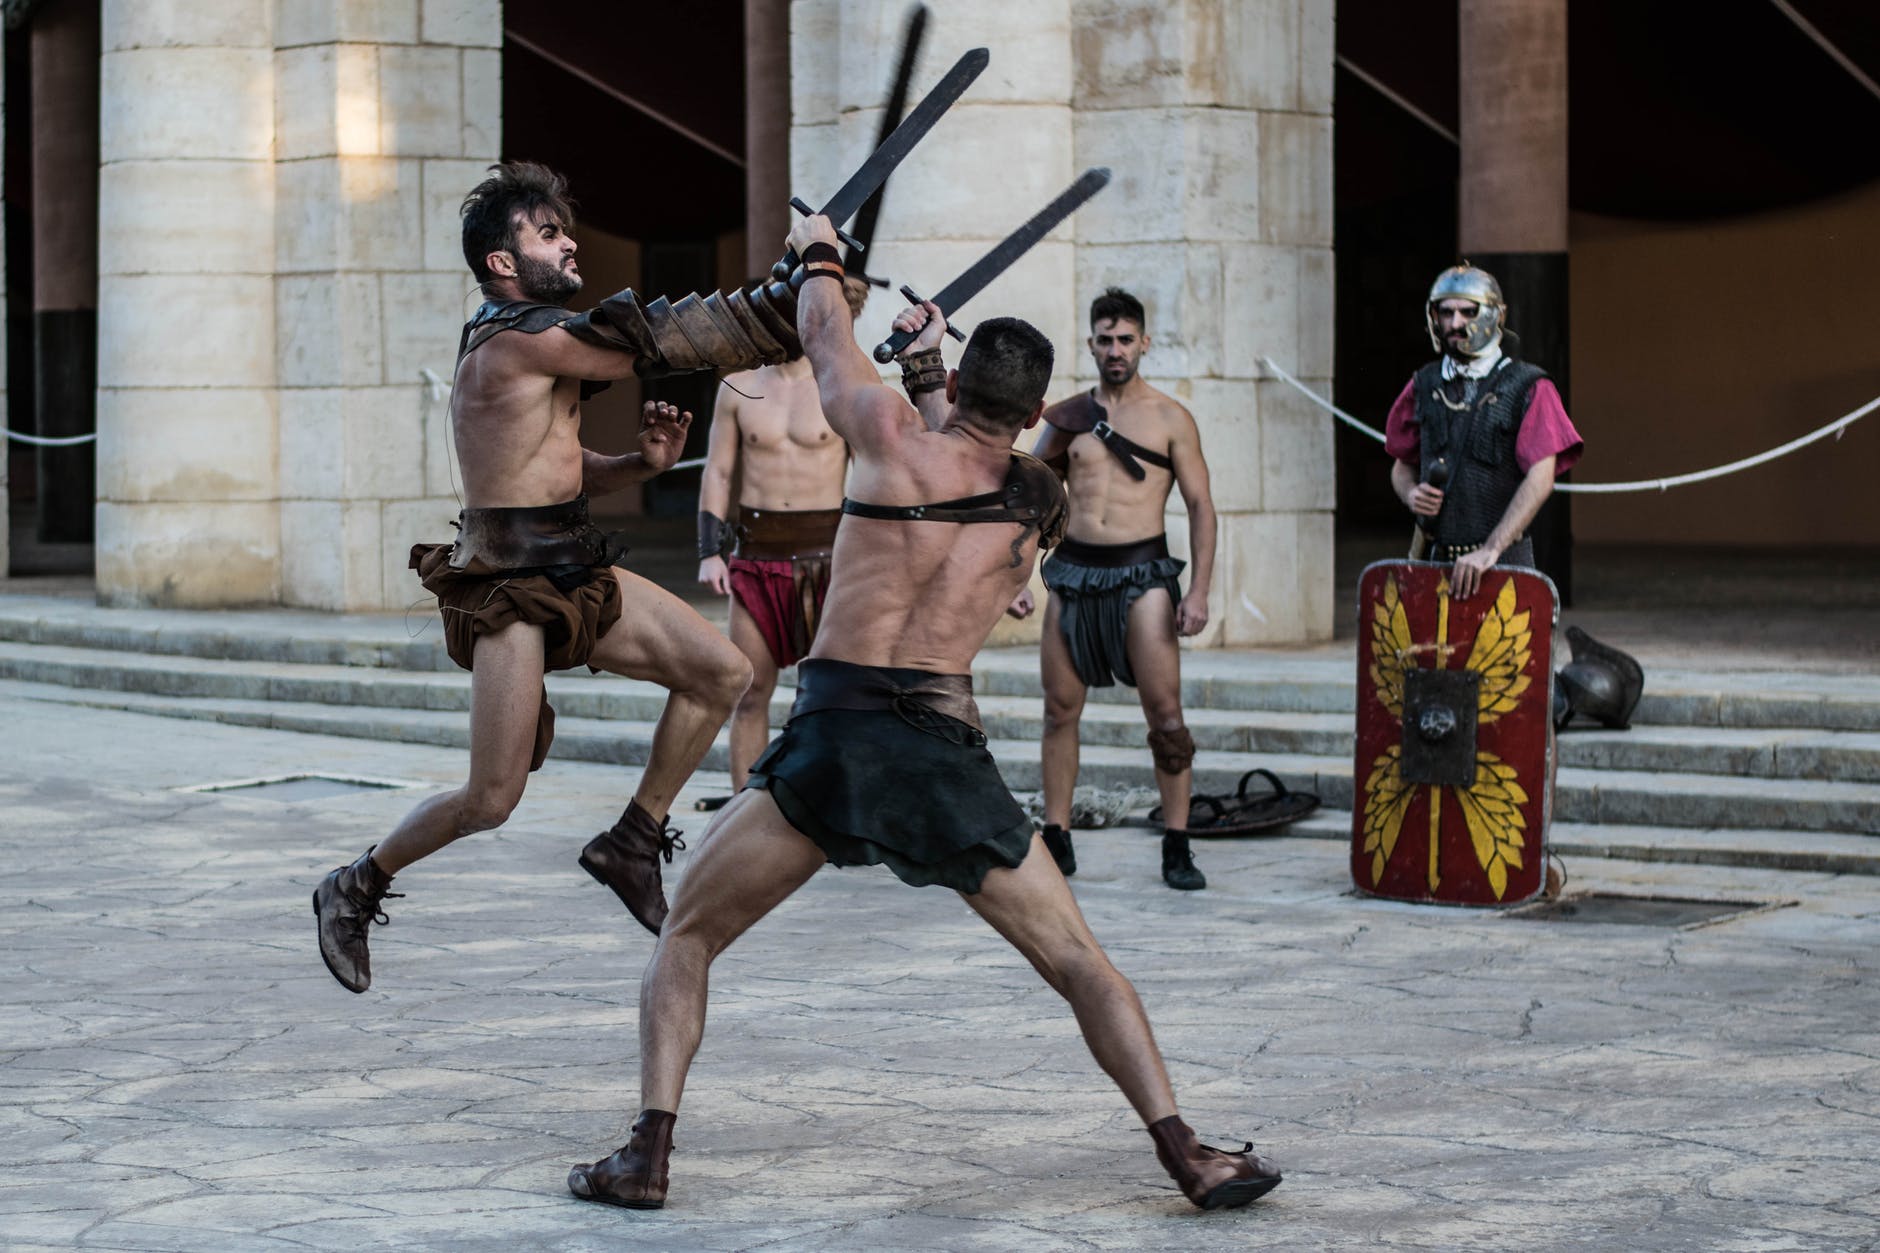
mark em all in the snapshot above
pixel 1453 783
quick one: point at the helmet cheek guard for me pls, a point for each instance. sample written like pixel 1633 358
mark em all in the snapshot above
pixel 1478 286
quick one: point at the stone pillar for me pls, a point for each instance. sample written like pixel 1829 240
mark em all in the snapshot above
pixel 187 509
pixel 766 132
pixel 385 115
pixel 998 157
pixel 1001 153
pixel 1512 93
pixel 1215 116
pixel 64 57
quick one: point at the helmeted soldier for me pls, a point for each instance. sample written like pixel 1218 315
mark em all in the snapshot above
pixel 1478 435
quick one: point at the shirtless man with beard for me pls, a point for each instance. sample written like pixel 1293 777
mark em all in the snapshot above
pixel 1117 610
pixel 530 584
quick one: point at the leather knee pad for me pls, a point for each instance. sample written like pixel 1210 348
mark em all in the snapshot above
pixel 1174 751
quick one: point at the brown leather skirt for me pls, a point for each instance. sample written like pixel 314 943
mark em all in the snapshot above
pixel 574 605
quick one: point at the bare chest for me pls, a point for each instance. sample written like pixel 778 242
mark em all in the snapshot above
pixel 791 422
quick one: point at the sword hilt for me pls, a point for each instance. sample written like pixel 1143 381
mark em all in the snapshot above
pixel 886 350
pixel 786 267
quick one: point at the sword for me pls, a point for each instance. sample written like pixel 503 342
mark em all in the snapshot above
pixel 1000 259
pixel 873 172
pixel 864 232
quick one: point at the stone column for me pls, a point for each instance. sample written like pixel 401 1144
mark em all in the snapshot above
pixel 1001 153
pixel 1513 194
pixel 998 157
pixel 1216 117
pixel 385 115
pixel 187 509
pixel 64 56
pixel 766 131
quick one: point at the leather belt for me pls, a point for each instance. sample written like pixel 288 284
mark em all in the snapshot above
pixel 1112 556
pixel 785 535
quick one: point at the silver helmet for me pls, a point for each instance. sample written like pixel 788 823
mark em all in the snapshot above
pixel 1466 282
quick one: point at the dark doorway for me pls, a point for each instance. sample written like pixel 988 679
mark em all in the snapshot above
pixel 646 118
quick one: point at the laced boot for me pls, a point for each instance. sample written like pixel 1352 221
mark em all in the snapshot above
pixel 1178 863
pixel 626 858
pixel 633 1176
pixel 1058 840
pixel 1211 1178
pixel 344 905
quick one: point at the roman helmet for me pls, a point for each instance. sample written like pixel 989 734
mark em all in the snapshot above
pixel 1600 683
pixel 1466 282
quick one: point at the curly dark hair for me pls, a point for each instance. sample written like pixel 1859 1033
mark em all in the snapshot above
pixel 491 209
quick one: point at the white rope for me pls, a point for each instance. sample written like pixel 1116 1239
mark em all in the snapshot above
pixel 64 441
pixel 1835 428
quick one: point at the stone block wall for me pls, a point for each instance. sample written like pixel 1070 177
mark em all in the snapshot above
pixel 386 113
pixel 279 264
pixel 188 486
pixel 1215 119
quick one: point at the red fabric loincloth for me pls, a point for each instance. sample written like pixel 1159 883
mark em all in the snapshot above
pixel 784 599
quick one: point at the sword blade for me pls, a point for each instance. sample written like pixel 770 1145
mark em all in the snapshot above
pixel 911 37
pixel 1008 250
pixel 873 172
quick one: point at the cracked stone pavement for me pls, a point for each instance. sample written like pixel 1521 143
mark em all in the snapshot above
pixel 178 1071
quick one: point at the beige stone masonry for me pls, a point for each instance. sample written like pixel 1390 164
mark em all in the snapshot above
pixel 1215 117
pixel 279 265
pixel 187 453
pixel 387 116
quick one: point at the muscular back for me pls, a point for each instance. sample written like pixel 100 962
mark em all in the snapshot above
pixel 922 594
pixel 1108 505
pixel 787 455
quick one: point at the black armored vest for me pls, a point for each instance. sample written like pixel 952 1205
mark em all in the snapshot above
pixel 1475 428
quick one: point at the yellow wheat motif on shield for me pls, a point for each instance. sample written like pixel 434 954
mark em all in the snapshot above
pixel 1491 805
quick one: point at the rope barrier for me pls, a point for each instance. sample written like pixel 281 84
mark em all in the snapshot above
pixel 42 441
pixel 1835 428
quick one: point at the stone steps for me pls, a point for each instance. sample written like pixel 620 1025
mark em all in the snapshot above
pixel 1672 799
pixel 1269 682
pixel 1784 753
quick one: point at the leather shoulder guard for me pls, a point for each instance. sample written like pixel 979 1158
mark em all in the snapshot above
pixel 1076 414
pixel 508 315
pixel 1030 482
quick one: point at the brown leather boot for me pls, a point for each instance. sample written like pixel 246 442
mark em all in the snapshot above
pixel 344 905
pixel 633 1176
pixel 626 858
pixel 1211 1178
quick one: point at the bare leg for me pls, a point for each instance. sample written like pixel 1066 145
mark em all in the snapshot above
pixel 750 725
pixel 661 638
pixel 1063 708
pixel 505 700
pixel 1156 657
pixel 751 860
pixel 1033 908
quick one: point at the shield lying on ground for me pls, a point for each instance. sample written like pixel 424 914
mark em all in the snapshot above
pixel 1453 782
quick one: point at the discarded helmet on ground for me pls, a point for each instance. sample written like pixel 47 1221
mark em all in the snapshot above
pixel 1600 683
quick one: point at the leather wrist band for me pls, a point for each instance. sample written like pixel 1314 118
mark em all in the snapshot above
pixel 822 271
pixel 711 535
pixel 923 372
pixel 820 251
